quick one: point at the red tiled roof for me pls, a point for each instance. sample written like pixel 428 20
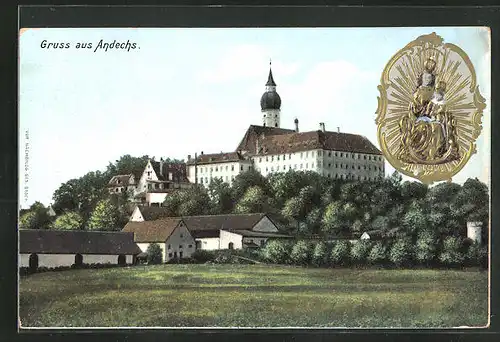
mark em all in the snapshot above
pixel 253 132
pixel 298 142
pixel 152 231
pixel 120 180
pixel 178 170
pixel 223 157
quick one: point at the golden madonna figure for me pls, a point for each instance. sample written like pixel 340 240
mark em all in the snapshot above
pixel 430 110
pixel 427 132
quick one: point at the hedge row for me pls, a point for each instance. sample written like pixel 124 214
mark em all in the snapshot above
pixel 426 251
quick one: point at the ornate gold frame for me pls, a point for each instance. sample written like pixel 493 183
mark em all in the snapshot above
pixel 428 174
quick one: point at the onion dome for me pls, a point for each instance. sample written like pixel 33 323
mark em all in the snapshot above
pixel 270 99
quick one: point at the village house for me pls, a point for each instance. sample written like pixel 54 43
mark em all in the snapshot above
pixel 158 180
pixel 212 232
pixel 122 183
pixel 270 148
pixel 170 234
pixel 54 248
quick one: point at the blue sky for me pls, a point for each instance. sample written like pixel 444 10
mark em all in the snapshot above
pixel 189 90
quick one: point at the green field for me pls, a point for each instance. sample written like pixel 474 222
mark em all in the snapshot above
pixel 253 296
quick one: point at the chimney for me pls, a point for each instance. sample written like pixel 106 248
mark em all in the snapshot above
pixel 195 169
pixel 338 129
pixel 189 157
pixel 296 121
pixel 322 126
pixel 201 152
pixel 161 166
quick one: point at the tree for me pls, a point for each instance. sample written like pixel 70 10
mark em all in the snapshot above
pixel 425 247
pixel 36 217
pixel 285 185
pixel 154 254
pixel 452 254
pixel 194 201
pixel 472 202
pixel 301 253
pixel 253 201
pixel 248 179
pixel 292 211
pixel 401 252
pixel 220 196
pixel 320 254
pixel 340 254
pixel 413 190
pixel 332 222
pixel 415 219
pixel 70 220
pixel 477 255
pixel 28 220
pixel 276 251
pixel 104 217
pixel 381 223
pixel 128 165
pixel 360 250
pixel 377 254
pixel 313 220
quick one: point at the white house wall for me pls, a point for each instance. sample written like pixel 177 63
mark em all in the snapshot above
pixel 137 215
pixel 142 185
pixel 180 241
pixel 56 260
pixel 209 244
pixel 265 225
pixel 155 197
pixel 228 237
pixel 227 171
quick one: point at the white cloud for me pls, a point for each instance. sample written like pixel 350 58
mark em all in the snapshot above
pixel 246 61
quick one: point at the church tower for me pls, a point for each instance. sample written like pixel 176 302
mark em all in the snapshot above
pixel 270 103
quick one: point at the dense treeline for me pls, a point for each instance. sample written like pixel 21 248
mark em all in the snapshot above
pixel 303 203
pixel 308 204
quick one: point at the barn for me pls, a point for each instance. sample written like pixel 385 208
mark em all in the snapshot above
pixel 54 248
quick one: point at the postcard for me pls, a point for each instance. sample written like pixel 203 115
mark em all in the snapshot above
pixel 254 177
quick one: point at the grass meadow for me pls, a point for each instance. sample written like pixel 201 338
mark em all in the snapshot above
pixel 253 296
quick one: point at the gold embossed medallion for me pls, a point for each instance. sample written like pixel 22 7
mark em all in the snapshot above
pixel 429 110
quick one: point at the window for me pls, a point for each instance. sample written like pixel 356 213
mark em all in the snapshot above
pixel 284 167
pixel 278 157
pixel 206 179
pixel 232 167
pixel 329 153
pixel 359 167
pixel 232 177
pixel 341 154
pixel 272 158
pixel 241 168
pixel 216 169
pixel 230 245
pixel 267 159
pixel 301 154
pixel 328 175
pixel 266 169
pixel 180 246
pixel 227 167
pixel 262 242
pixel 307 154
pixel 336 165
pixel 182 235
pixel 365 167
pixel 201 180
pixel 121 259
pixel 260 160
pixel 289 156
pixel 169 255
pixel 190 246
pixel 290 167
pixel 307 165
pixel 329 164
pixel 249 167
pixel 211 169
pixel 272 168
pixel 168 247
pixel 301 166
pixel 353 167
pixel 335 154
